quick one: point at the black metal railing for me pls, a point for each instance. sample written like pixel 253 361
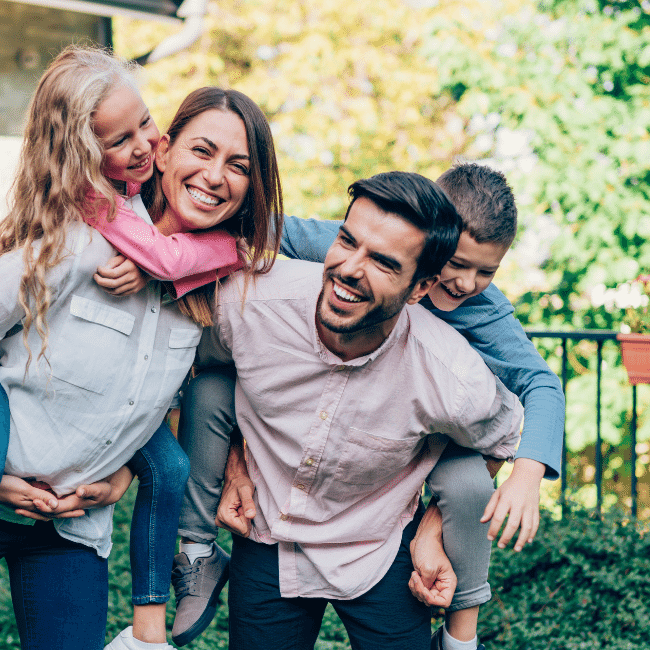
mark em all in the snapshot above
pixel 599 337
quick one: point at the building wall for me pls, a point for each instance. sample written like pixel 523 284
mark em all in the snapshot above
pixel 30 37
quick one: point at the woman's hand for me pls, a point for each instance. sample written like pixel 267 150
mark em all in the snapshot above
pixel 120 277
pixel 28 501
pixel 433 582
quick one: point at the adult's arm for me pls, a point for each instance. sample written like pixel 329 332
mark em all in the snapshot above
pixel 487 321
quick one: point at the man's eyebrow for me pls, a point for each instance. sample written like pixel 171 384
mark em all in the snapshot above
pixel 212 145
pixel 346 232
pixel 387 260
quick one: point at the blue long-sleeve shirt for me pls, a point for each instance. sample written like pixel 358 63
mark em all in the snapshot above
pixel 487 321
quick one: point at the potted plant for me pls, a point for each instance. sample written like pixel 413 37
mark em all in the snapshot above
pixel 635 330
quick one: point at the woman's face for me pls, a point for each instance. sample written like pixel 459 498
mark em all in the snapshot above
pixel 205 173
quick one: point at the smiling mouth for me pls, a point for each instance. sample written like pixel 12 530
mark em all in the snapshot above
pixel 140 165
pixel 344 295
pixel 452 294
pixel 202 197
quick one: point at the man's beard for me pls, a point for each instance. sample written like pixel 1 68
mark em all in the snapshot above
pixel 372 318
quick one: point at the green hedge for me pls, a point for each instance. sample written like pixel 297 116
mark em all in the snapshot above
pixel 583 584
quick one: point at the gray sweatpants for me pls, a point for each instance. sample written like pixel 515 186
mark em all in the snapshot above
pixel 459 482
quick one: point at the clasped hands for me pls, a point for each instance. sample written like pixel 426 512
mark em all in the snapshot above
pixel 34 502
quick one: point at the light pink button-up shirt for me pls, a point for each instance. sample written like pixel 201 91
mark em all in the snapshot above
pixel 338 451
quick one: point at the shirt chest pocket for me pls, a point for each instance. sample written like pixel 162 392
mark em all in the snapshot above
pixel 369 461
pixel 88 350
pixel 178 361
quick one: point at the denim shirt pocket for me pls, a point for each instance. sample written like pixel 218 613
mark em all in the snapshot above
pixel 90 340
pixel 179 357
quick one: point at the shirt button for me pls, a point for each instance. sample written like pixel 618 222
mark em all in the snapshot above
pixel 283 517
pixel 146 357
pixel 131 402
pixel 309 462
pixel 323 415
pixel 300 486
pixel 153 309
pixel 78 470
pixel 109 442
pixel 340 367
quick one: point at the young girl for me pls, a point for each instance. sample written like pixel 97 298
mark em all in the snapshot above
pixel 119 141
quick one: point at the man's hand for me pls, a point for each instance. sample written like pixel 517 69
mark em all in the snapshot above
pixel 433 582
pixel 236 508
pixel 96 495
pixel 120 277
pixel 518 499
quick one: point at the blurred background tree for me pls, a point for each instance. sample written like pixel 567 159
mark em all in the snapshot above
pixel 553 93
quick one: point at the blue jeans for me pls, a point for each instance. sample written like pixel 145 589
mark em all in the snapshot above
pixel 387 617
pixel 162 468
pixel 59 588
pixel 4 428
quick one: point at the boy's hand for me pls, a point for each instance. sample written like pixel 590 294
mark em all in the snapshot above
pixel 120 277
pixel 433 581
pixel 518 499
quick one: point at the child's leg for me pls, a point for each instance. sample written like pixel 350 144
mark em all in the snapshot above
pixel 201 568
pixel 207 419
pixel 461 484
pixel 4 428
pixel 162 468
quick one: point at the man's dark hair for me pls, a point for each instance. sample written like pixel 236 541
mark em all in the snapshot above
pixel 484 201
pixel 421 202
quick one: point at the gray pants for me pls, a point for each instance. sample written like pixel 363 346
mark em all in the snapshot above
pixel 459 482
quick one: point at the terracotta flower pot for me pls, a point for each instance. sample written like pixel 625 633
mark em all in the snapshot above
pixel 635 350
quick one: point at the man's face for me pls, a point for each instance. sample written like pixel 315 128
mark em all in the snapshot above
pixel 368 271
pixel 467 273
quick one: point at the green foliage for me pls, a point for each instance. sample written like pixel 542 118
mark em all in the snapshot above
pixel 582 584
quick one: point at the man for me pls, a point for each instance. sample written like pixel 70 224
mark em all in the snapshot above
pixel 346 393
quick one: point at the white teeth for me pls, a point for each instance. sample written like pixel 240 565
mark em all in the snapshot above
pixel 452 294
pixel 203 198
pixel 345 295
pixel 144 163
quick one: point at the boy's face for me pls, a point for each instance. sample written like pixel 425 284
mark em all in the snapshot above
pixel 467 273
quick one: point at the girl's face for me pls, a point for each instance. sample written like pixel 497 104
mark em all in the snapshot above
pixel 206 172
pixel 128 134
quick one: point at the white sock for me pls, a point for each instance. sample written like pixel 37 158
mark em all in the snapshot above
pixel 449 643
pixel 135 644
pixel 143 645
pixel 194 551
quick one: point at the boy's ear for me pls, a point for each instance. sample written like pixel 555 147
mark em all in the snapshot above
pixel 422 287
pixel 162 153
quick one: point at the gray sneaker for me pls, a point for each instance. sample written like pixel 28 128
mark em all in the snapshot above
pixel 436 641
pixel 197 587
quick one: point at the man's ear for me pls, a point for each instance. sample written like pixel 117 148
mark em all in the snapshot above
pixel 422 287
pixel 162 153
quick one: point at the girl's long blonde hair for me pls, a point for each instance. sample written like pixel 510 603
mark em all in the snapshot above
pixel 60 162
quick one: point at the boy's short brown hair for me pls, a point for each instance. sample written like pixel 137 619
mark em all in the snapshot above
pixel 484 201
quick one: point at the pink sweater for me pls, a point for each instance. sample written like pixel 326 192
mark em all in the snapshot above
pixel 189 260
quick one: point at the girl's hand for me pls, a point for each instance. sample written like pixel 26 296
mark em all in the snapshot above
pixel 120 277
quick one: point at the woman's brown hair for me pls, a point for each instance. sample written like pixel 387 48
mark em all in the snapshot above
pixel 259 220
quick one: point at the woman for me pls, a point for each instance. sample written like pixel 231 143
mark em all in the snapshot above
pixel 108 368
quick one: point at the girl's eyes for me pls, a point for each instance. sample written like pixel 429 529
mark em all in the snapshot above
pixel 241 169
pixel 201 150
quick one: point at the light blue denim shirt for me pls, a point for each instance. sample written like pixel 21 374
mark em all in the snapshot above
pixel 487 321
pixel 115 363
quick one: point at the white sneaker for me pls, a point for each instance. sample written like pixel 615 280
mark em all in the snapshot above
pixel 125 641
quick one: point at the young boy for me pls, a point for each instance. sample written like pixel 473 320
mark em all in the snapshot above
pixel 467 300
